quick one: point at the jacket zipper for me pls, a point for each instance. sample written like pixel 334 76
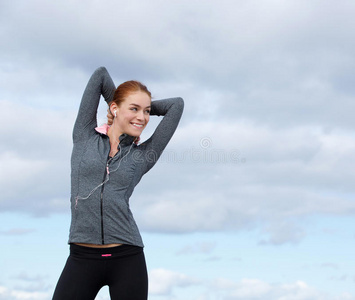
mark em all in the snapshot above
pixel 107 171
pixel 102 201
pixel 102 208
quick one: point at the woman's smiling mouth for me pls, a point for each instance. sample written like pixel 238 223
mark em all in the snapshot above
pixel 137 125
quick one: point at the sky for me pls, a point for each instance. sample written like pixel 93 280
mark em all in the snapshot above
pixel 253 198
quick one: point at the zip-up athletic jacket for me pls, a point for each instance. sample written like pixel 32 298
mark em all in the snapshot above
pixel 101 186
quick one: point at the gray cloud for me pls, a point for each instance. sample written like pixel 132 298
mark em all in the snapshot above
pixel 201 247
pixel 277 186
pixel 268 84
pixel 277 183
pixel 34 156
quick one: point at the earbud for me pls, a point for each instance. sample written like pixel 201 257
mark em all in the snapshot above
pixel 114 112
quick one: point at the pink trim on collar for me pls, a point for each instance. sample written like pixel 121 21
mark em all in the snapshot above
pixel 103 129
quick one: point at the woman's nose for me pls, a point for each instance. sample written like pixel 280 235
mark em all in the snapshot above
pixel 140 115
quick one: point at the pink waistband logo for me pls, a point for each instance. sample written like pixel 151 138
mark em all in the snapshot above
pixel 106 255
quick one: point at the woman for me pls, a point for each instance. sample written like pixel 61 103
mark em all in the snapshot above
pixel 107 163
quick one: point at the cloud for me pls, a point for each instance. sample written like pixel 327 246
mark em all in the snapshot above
pixel 27 286
pixel 235 51
pixel 201 248
pixel 288 176
pixel 234 45
pixel 30 278
pixel 35 156
pixel 266 141
pixel 14 294
pixel 165 282
pixel 162 281
pixel 282 232
pixel 262 142
pixel 16 231
pixel 241 174
pixel 330 265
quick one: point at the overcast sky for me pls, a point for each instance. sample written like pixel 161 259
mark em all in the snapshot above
pixel 254 196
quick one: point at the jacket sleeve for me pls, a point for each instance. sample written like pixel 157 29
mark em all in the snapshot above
pixel 99 84
pixel 171 109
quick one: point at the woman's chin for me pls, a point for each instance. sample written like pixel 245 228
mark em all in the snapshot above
pixel 135 132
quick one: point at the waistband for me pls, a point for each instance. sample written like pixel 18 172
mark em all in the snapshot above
pixel 104 253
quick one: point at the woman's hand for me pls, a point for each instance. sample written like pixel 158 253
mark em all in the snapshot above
pixel 109 117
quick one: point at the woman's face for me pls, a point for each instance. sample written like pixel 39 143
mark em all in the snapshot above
pixel 132 116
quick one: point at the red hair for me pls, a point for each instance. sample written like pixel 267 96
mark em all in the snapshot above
pixel 129 87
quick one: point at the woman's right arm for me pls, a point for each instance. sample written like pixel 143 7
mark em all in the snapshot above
pixel 99 84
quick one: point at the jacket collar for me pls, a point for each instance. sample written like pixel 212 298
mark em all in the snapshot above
pixel 124 138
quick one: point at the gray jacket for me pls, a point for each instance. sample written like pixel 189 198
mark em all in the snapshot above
pixel 100 186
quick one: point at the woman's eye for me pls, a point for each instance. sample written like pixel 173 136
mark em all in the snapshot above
pixel 134 108
pixel 147 111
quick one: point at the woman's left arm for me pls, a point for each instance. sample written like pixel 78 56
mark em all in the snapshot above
pixel 171 109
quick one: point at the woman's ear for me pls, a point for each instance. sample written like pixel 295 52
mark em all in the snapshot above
pixel 114 109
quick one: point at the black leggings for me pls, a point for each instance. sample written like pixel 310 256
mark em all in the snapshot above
pixel 87 270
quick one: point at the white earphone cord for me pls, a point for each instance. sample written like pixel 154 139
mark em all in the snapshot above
pixel 77 198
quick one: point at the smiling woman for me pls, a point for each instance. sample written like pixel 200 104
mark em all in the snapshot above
pixel 131 110
pixel 106 247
